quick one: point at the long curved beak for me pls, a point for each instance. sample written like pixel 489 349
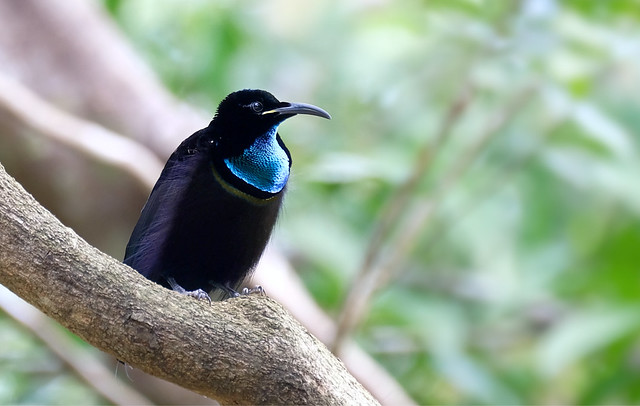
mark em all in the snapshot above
pixel 299 108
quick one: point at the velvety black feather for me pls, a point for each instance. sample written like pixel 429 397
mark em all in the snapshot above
pixel 203 225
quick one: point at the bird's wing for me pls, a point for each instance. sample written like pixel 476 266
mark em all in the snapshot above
pixel 149 233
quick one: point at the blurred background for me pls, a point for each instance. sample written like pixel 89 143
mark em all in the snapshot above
pixel 469 220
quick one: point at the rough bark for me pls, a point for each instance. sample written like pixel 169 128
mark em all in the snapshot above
pixel 247 350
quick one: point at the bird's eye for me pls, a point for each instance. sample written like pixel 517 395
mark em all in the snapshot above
pixel 256 106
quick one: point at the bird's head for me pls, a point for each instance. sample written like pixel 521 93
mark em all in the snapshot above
pixel 246 149
pixel 246 115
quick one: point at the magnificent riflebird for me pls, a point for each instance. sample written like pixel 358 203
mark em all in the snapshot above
pixel 212 211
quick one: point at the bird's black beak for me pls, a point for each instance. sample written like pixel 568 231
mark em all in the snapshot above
pixel 299 108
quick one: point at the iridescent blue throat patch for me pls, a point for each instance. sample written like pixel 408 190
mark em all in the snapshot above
pixel 264 165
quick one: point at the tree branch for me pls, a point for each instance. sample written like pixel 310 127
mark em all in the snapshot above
pixel 247 350
pixel 381 272
pixel 86 137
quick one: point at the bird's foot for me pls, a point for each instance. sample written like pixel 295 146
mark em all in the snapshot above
pixel 126 369
pixel 232 293
pixel 255 290
pixel 226 289
pixel 198 293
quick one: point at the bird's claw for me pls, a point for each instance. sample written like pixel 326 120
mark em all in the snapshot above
pixel 250 291
pixel 199 294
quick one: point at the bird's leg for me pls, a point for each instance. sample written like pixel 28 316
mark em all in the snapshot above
pixel 226 289
pixel 250 291
pixel 198 293
pixel 126 371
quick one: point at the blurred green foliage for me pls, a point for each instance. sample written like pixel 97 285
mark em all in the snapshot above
pixel 523 285
pixel 30 374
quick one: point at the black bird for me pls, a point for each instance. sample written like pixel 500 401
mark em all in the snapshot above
pixel 211 212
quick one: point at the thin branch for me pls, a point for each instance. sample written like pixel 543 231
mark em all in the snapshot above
pixel 87 137
pixel 417 220
pixel 75 53
pixel 395 207
pixel 493 126
pixel 488 187
pixel 365 278
pixel 247 350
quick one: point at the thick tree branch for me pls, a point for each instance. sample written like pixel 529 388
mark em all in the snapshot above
pixel 247 350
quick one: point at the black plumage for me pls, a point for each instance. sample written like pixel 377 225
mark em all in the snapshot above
pixel 211 212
